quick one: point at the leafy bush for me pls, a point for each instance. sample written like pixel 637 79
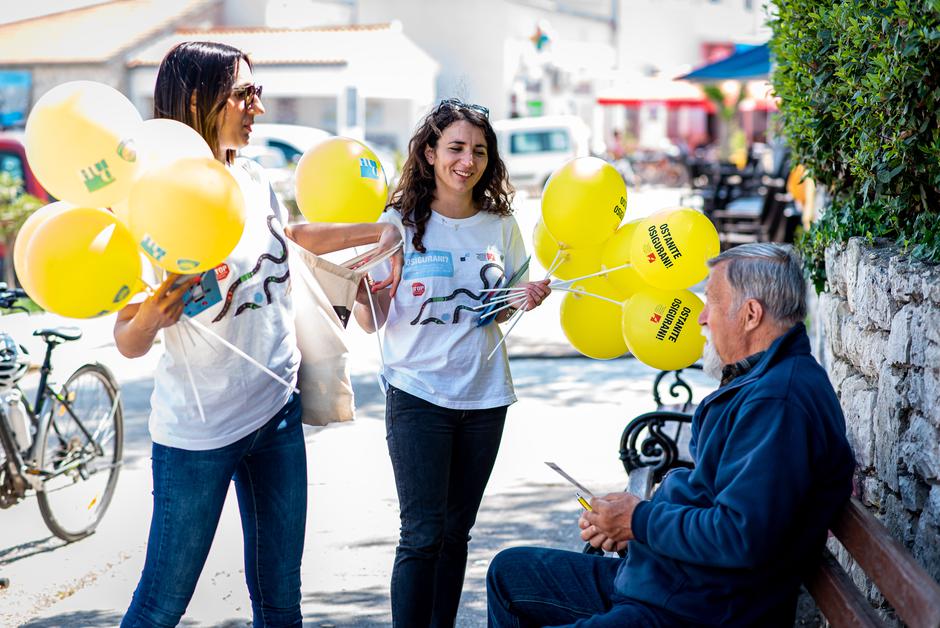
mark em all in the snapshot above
pixel 15 207
pixel 859 83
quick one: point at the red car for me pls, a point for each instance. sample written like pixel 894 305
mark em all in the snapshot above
pixel 13 161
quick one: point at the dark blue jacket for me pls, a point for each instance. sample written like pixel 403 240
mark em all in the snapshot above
pixel 728 542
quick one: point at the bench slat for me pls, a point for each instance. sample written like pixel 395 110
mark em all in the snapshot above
pixel 838 598
pixel 912 592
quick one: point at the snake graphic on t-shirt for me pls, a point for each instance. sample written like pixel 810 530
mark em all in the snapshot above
pixel 251 305
pixel 459 291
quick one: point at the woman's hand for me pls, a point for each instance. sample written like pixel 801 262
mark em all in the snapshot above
pixel 390 239
pixel 535 293
pixel 137 324
pixel 165 306
pixel 362 292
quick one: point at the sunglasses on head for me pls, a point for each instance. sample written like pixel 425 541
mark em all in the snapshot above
pixel 249 93
pixel 456 103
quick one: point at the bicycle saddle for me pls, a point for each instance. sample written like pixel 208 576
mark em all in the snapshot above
pixel 59 334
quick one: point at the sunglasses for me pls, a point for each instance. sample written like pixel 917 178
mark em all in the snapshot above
pixel 249 93
pixel 456 103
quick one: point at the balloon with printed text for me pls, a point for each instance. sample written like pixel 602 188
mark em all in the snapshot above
pixel 187 215
pixel 340 180
pixel 671 247
pixel 82 263
pixel 592 325
pixel 568 263
pixel 79 143
pixel 661 327
pixel 583 202
pixel 159 142
pixel 21 244
pixel 615 252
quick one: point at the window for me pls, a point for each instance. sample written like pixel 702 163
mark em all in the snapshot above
pixel 539 142
pixel 291 153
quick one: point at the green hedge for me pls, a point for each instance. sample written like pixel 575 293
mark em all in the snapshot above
pixel 859 83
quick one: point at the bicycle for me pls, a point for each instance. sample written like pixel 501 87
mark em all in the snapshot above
pixel 68 445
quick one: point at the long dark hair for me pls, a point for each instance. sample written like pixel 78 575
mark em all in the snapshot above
pixel 204 69
pixel 412 198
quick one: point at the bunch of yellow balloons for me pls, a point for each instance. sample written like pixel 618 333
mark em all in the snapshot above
pixel 627 284
pixel 169 198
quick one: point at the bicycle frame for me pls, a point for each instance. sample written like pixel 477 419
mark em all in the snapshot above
pixel 28 468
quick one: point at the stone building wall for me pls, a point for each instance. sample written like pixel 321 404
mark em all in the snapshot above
pixel 881 345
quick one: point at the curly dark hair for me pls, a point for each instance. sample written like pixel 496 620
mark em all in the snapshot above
pixel 412 198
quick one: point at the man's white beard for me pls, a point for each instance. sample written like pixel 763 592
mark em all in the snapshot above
pixel 711 363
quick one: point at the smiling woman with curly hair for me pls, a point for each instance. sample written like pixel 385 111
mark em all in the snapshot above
pixel 446 401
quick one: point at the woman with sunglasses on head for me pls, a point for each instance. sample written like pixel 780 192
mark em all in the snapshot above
pixel 446 401
pixel 241 424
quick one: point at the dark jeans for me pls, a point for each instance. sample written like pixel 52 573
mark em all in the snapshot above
pixel 269 467
pixel 442 459
pixel 531 586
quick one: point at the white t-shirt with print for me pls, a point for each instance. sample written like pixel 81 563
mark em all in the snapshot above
pixel 245 300
pixel 433 348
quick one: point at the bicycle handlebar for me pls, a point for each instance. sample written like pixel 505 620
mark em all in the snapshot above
pixel 9 296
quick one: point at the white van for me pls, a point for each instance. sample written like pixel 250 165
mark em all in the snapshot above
pixel 533 148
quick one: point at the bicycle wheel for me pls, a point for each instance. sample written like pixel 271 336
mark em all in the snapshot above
pixel 80 478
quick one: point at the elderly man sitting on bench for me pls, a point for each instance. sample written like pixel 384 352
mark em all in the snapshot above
pixel 728 542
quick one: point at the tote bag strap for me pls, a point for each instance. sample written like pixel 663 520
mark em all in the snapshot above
pixel 370 259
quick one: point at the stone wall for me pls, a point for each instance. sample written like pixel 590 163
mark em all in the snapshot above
pixel 881 345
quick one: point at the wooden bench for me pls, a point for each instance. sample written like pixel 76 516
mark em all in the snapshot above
pixel 914 595
pixel 652 444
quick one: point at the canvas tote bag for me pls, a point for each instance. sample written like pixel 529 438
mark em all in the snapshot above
pixel 324 294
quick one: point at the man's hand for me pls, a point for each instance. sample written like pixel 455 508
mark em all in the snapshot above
pixel 609 524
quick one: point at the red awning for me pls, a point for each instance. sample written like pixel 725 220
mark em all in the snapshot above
pixel 637 91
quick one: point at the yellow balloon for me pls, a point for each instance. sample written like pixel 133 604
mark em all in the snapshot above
pixel 670 248
pixel 340 180
pixel 162 140
pixel 797 184
pixel 187 215
pixel 661 327
pixel 21 243
pixel 615 252
pixel 592 325
pixel 159 142
pixel 79 143
pixel 583 202
pixel 83 263
pixel 571 263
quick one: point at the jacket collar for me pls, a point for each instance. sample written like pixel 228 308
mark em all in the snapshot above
pixel 793 342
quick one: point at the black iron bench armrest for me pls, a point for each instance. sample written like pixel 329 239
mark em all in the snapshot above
pixel 659 450
pixel 674 388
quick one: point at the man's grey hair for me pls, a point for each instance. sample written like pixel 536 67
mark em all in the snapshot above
pixel 770 273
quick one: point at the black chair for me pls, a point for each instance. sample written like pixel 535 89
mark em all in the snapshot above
pixel 754 219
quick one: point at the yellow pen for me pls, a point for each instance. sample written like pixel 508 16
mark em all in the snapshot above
pixel 584 503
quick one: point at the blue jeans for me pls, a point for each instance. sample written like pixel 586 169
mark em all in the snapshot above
pixel 442 459
pixel 269 467
pixel 531 586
